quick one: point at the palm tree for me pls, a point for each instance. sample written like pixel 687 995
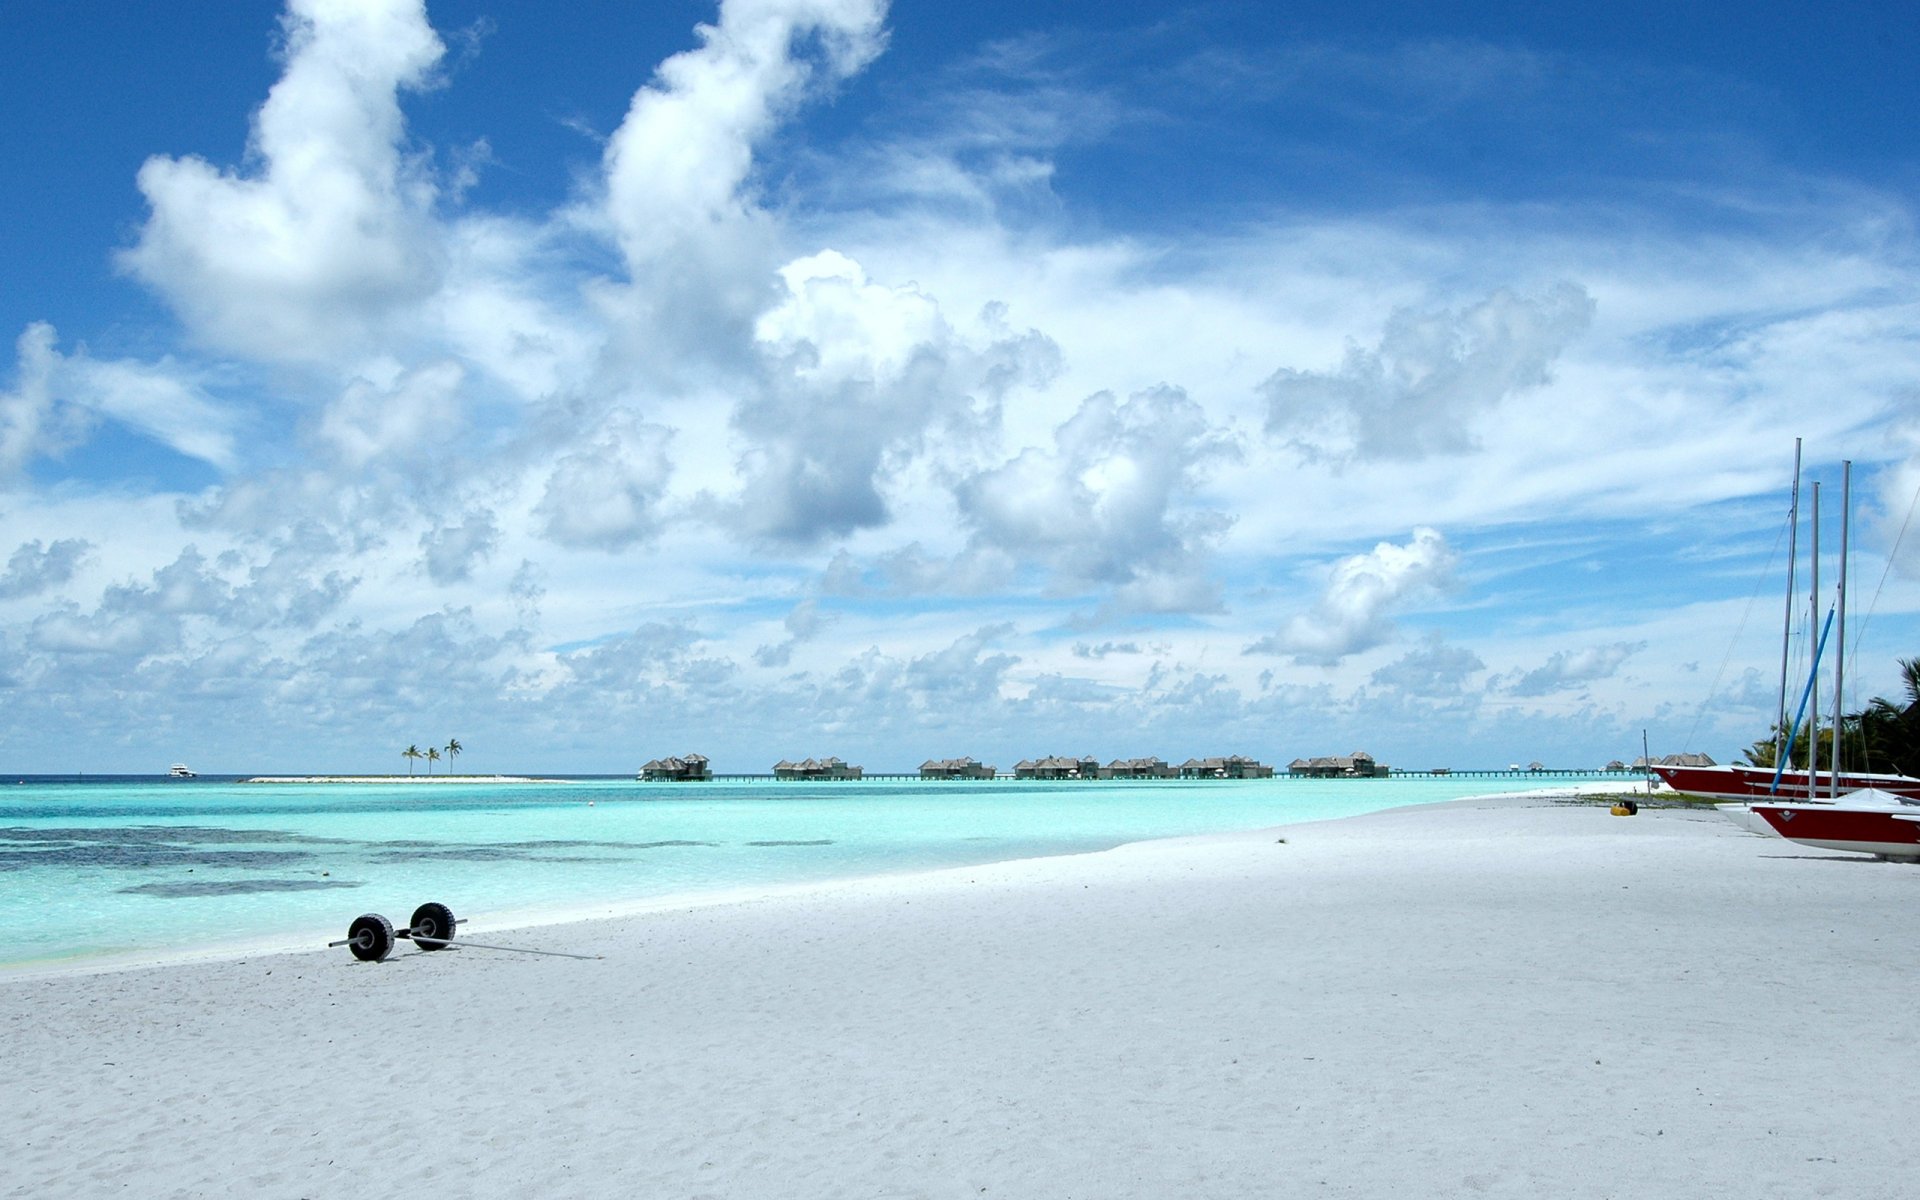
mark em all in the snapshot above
pixel 1890 732
pixel 411 753
pixel 433 756
pixel 453 752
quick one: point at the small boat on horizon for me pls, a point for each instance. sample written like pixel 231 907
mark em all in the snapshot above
pixel 180 771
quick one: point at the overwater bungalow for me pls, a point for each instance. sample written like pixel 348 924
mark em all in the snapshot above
pixel 955 768
pixel 816 768
pixel 1358 765
pixel 686 768
pixel 1138 768
pixel 1694 759
pixel 1233 766
pixel 1058 767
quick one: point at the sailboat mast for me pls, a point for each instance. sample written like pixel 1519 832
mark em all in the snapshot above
pixel 1780 747
pixel 1840 652
pixel 1813 622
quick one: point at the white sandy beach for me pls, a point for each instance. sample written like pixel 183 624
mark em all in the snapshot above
pixel 1501 998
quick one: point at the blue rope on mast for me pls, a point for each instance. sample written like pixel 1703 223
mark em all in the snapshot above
pixel 1780 767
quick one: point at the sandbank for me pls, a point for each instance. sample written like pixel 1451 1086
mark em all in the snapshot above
pixel 387 779
pixel 1504 997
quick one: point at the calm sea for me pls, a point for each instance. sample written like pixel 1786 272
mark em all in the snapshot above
pixel 95 871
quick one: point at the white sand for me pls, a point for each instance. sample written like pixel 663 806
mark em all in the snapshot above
pixel 1486 998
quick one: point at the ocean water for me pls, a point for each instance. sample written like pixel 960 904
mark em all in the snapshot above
pixel 97 871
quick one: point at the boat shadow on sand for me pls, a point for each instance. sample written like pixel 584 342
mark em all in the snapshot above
pixel 1861 859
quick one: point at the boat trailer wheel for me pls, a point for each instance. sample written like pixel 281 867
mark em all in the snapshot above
pixel 371 936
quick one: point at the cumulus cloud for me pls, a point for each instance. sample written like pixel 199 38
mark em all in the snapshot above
pixel 1434 669
pixel 963 671
pixel 1894 515
pixel 857 374
pixel 1569 670
pixel 1432 376
pixel 35 568
pixel 606 494
pixel 1355 609
pixel 390 413
pixel 452 551
pixel 913 570
pixel 675 169
pixel 1102 650
pixel 1111 502
pixel 399 387
pixel 332 231
pixel 29 425
pixel 803 623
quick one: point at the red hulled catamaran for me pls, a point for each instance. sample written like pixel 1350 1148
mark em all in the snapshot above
pixel 1883 824
pixel 1858 811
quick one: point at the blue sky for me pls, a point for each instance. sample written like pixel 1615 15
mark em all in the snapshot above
pixel 823 377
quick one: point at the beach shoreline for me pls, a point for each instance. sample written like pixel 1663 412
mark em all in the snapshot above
pixel 1511 996
pixel 309 935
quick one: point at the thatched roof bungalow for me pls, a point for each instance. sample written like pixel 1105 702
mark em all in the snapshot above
pixel 955 768
pixel 1358 765
pixel 1058 767
pixel 815 768
pixel 1233 766
pixel 1138 768
pixel 685 768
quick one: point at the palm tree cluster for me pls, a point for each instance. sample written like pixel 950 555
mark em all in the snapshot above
pixel 432 755
pixel 1890 734
pixel 1883 736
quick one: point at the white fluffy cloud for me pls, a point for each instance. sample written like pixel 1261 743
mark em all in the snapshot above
pixel 858 376
pixel 27 410
pixel 1113 502
pixel 606 494
pixel 1362 592
pixel 332 234
pixel 1567 670
pixel 59 398
pixel 34 567
pixel 865 431
pixel 452 551
pixel 676 168
pixel 1432 377
pixel 390 413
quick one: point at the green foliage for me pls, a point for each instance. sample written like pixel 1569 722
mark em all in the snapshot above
pixel 1884 736
pixel 1889 733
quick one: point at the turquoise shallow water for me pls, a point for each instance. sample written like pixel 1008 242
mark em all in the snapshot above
pixel 151 868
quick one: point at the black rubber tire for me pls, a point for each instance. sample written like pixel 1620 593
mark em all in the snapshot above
pixel 432 920
pixel 370 937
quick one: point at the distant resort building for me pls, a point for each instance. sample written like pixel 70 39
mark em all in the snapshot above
pixel 1138 768
pixel 1616 765
pixel 1695 759
pixel 687 768
pixel 1234 766
pixel 1358 765
pixel 955 768
pixel 815 768
pixel 1057 767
